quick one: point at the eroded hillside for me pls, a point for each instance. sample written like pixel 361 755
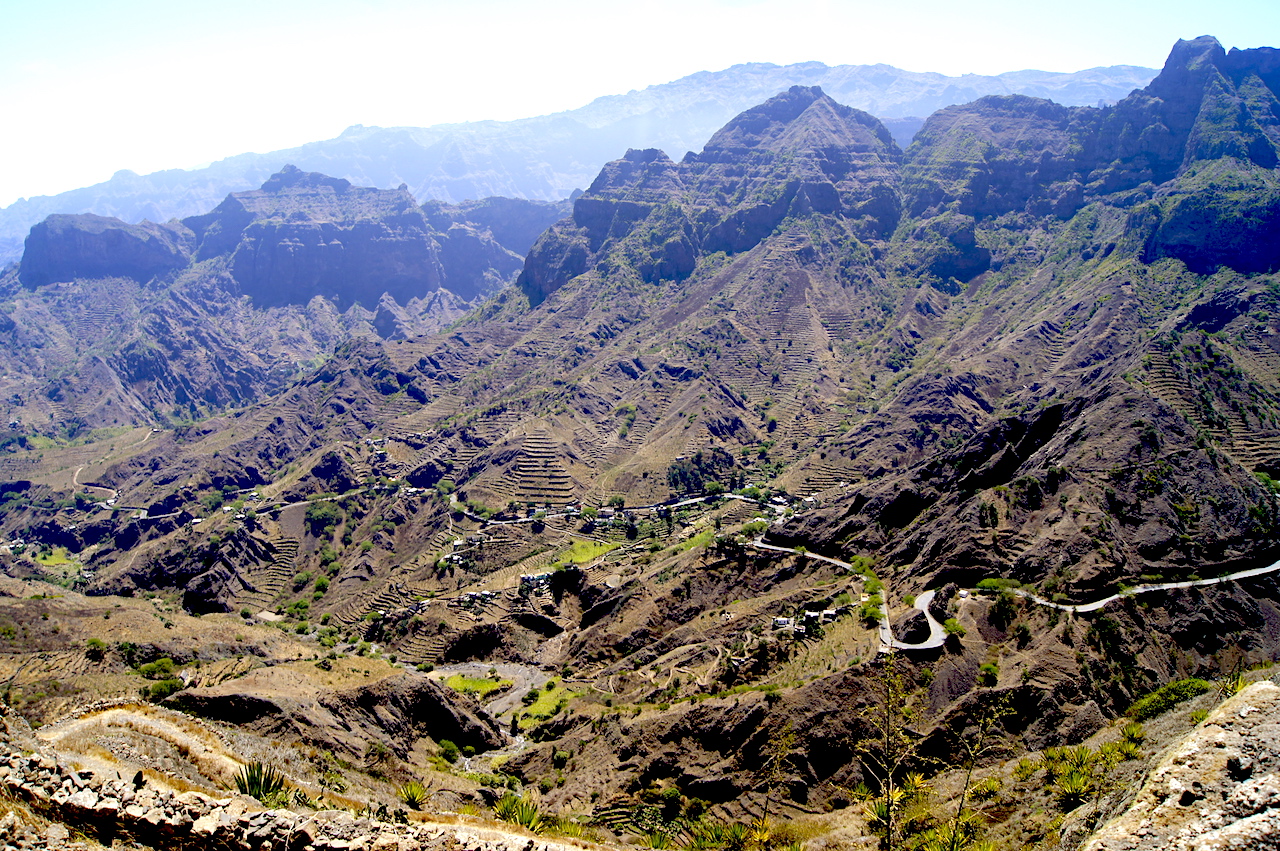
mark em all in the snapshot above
pixel 737 408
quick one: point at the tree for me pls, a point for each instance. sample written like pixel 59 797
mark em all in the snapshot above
pixel 974 741
pixel 954 632
pixel 323 517
pixel 95 649
pixel 888 753
pixel 773 771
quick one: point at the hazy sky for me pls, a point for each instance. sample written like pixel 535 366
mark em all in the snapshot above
pixel 92 86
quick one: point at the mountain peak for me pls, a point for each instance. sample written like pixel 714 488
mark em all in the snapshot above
pixel 1189 53
pixel 1190 64
pixel 290 176
pixel 801 118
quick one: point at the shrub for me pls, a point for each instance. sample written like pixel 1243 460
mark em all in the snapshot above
pixel 1167 696
pixel 158 670
pixel 95 649
pixel 449 751
pixel 164 688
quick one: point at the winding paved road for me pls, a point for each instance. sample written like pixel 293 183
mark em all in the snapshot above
pixel 1143 589
pixel 937 634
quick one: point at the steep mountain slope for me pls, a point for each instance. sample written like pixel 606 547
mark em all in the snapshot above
pixel 110 324
pixel 549 157
pixel 1000 354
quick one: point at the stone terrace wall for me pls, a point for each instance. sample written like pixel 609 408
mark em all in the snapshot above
pixel 112 809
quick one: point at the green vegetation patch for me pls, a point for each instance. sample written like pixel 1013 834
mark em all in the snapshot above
pixel 582 552
pixel 995 584
pixel 1168 696
pixel 551 699
pixel 481 687
pixel 699 540
pixel 57 557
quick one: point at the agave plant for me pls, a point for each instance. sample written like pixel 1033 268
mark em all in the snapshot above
pixel 1079 759
pixel 1127 750
pixel 877 813
pixel 259 780
pixel 659 839
pixel 761 832
pixel 860 793
pixel 736 837
pixel 914 786
pixel 1024 769
pixel 986 789
pixel 521 811
pixel 1073 790
pixel 414 794
pixel 705 835
pixel 1134 732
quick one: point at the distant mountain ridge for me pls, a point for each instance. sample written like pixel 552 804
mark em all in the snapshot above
pixel 548 157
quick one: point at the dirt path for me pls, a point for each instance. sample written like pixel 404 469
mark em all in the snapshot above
pixel 75 480
pixel 202 746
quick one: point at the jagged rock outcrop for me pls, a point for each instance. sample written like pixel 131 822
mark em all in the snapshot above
pixel 321 261
pixel 304 235
pixel 550 157
pixel 110 808
pixel 1191 158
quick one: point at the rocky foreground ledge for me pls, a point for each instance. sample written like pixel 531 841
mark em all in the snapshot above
pixel 1218 788
pixel 113 810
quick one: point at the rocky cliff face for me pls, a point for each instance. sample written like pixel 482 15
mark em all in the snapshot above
pixel 113 324
pixel 65 248
pixel 1218 788
pixel 797 155
pixel 395 711
pixel 305 235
